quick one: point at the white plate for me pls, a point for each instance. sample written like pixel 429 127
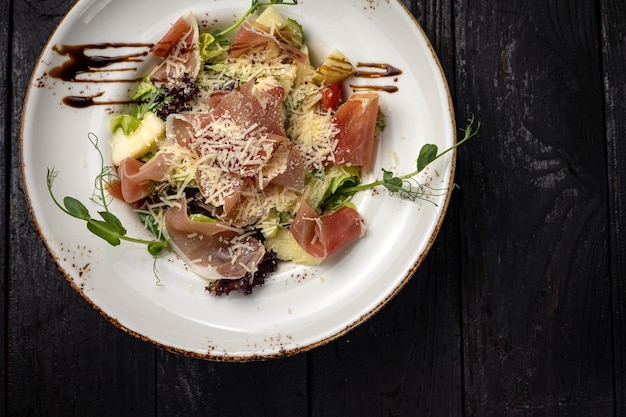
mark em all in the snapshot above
pixel 299 307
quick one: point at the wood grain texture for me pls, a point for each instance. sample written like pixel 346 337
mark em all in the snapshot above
pixel 536 294
pixel 5 114
pixel 437 20
pixel 63 357
pixel 614 62
pixel 190 387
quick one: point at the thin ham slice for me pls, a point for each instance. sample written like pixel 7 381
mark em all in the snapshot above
pixel 356 140
pixel 215 97
pixel 231 162
pixel 244 106
pixel 226 191
pixel 322 236
pixel 247 105
pixel 179 49
pixel 185 128
pixel 212 250
pixel 293 175
pixel 136 177
pixel 252 36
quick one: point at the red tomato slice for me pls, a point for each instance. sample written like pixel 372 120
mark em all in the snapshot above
pixel 332 96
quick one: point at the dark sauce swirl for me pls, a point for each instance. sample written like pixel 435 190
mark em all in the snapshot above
pixel 387 70
pixel 383 88
pixel 81 102
pixel 381 70
pixel 80 64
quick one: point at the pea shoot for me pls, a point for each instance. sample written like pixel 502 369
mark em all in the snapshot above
pixel 402 185
pixel 108 226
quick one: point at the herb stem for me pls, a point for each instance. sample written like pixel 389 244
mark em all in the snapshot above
pixel 140 241
pixel 52 174
pixel 109 227
pixel 253 8
pixel 361 187
pixel 470 132
pixel 99 180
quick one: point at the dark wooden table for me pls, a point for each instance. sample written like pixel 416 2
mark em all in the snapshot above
pixel 519 309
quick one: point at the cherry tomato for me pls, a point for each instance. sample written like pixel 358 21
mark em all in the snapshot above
pixel 332 96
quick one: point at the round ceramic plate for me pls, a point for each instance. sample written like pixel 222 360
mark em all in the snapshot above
pixel 299 307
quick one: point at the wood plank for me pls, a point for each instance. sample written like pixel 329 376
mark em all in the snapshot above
pixel 614 52
pixel 435 17
pixel 536 290
pixel 190 387
pixel 5 114
pixel 405 360
pixel 63 357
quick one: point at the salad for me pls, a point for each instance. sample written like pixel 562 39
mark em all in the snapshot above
pixel 236 149
pixel 238 153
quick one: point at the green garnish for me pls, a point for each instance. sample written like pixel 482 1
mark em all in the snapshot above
pixel 298 33
pixel 324 188
pixel 428 154
pixel 202 218
pixel 151 224
pixel 108 227
pixel 213 45
pixel 209 47
pixel 150 98
pixel 256 4
pixel 126 122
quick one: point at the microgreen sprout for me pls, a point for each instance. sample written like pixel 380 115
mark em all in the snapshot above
pixel 404 185
pixel 108 226
pixel 104 179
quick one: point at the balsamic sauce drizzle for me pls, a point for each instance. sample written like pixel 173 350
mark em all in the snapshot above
pixel 381 70
pixel 81 102
pixel 387 70
pixel 79 62
pixel 384 88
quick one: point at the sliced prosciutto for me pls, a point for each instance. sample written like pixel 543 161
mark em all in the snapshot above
pixel 212 250
pixel 241 148
pixel 136 177
pixel 180 52
pixel 322 236
pixel 356 140
pixel 291 172
pixel 245 107
pixel 248 106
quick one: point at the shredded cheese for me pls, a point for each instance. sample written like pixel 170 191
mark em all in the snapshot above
pixel 314 136
pixel 232 164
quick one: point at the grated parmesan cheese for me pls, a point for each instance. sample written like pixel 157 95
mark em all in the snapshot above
pixel 314 136
pixel 232 165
